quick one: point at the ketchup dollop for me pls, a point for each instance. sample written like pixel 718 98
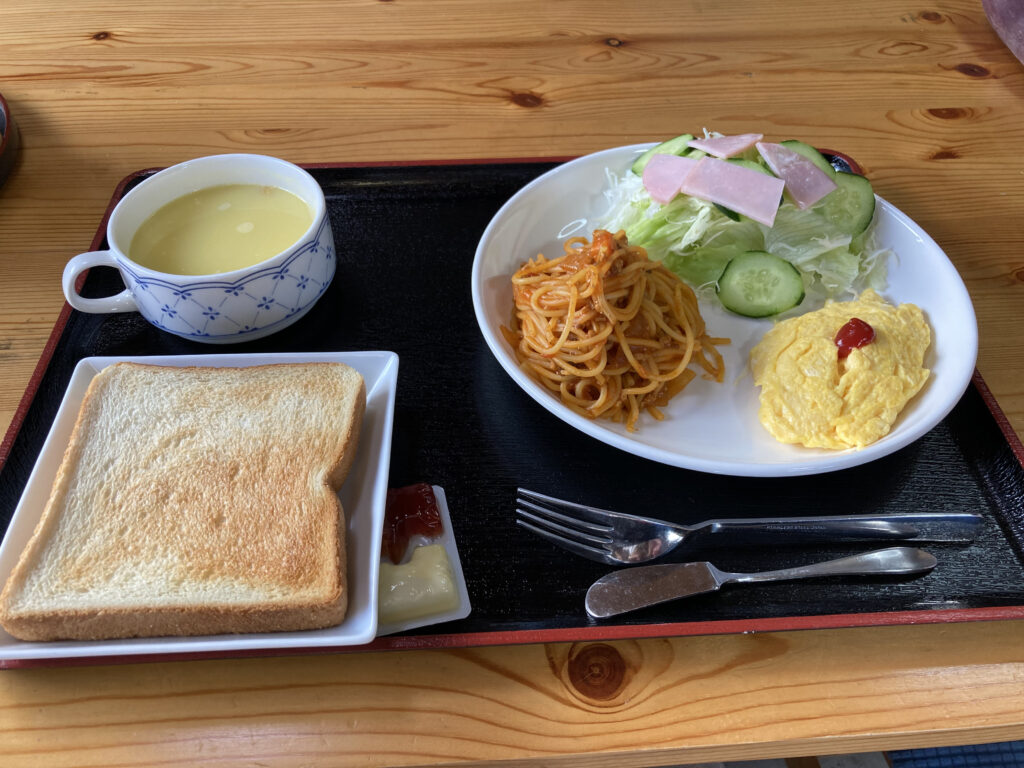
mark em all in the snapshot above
pixel 855 334
pixel 409 511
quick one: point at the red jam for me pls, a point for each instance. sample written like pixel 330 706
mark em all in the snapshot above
pixel 410 511
pixel 853 335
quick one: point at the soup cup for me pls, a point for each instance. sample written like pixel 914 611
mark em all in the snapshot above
pixel 226 307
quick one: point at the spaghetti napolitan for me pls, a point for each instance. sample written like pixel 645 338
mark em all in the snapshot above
pixel 607 329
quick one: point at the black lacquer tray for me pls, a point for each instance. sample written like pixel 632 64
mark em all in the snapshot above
pixel 406 236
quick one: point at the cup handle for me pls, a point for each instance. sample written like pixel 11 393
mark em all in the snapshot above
pixel 121 302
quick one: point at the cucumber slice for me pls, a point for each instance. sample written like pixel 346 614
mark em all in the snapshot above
pixel 727 212
pixel 851 205
pixel 752 165
pixel 811 154
pixel 758 284
pixel 675 146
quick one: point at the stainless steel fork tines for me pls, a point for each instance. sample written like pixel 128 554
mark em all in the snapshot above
pixel 618 538
pixel 597 534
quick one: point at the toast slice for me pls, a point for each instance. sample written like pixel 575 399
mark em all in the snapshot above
pixel 195 501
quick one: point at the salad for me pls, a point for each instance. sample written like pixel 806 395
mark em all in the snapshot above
pixel 817 242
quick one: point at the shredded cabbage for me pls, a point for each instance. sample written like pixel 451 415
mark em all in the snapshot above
pixel 696 240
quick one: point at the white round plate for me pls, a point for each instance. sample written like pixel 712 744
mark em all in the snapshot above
pixel 713 427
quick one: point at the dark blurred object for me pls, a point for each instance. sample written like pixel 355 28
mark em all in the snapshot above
pixel 9 141
pixel 1007 19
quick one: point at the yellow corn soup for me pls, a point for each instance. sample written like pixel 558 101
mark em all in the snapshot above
pixel 220 229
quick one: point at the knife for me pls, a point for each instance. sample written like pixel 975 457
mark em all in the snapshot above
pixel 632 588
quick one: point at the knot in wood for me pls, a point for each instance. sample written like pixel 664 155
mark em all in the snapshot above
pixel 526 99
pixel 948 113
pixel 614 42
pixel 101 36
pixel 931 16
pixel 902 48
pixel 972 70
pixel 597 671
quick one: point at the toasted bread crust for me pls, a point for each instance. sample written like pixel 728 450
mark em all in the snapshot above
pixel 160 622
pixel 195 501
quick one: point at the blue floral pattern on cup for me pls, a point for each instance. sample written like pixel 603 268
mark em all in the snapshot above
pixel 229 311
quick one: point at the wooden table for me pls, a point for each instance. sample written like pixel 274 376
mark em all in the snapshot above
pixel 924 95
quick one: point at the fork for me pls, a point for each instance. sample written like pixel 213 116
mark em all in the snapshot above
pixel 617 538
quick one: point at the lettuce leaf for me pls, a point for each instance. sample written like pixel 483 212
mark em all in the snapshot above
pixel 696 240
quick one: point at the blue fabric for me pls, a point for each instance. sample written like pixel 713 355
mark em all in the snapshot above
pixel 1004 755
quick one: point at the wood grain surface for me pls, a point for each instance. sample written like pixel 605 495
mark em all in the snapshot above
pixel 924 95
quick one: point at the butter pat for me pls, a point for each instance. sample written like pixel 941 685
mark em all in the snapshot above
pixel 422 587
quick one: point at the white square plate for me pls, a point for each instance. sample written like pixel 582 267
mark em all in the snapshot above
pixel 363 496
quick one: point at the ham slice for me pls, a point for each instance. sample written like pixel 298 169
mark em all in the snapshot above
pixel 740 189
pixel 664 174
pixel 726 146
pixel 806 183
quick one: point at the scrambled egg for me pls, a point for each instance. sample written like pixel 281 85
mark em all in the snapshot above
pixel 812 397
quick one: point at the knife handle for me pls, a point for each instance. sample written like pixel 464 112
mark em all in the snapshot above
pixel 894 560
pixel 953 526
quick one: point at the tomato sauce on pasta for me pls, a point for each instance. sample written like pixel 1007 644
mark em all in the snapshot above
pixel 612 332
